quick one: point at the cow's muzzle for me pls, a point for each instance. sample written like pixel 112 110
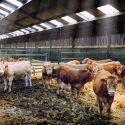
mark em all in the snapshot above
pixel 111 93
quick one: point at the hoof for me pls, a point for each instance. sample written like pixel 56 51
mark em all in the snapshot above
pixel 57 92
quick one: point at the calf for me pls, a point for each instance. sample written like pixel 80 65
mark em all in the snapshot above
pixel 104 87
pixel 75 77
pixel 16 70
pixel 122 75
pixel 48 73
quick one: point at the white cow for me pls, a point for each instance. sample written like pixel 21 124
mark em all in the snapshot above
pixel 16 70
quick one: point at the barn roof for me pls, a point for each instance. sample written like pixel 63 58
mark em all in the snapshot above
pixel 20 17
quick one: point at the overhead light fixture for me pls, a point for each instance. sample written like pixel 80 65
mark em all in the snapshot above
pixel 15 2
pixel 86 15
pixel 3 36
pixel 31 29
pixel 25 31
pixel 108 9
pixel 6 36
pixel 28 1
pixel 12 34
pixel 6 7
pixel 46 25
pixel 69 19
pixel 37 27
pixel 55 22
pixel 18 33
pixel 3 12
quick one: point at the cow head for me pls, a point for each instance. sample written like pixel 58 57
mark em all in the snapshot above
pixel 118 69
pixel 2 69
pixel 55 71
pixel 95 68
pixel 111 83
pixel 48 67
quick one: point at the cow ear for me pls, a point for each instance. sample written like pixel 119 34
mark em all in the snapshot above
pixel 104 81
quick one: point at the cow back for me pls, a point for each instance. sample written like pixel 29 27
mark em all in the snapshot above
pixel 17 69
pixel 71 75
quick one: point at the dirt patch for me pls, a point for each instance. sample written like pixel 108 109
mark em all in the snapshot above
pixel 37 106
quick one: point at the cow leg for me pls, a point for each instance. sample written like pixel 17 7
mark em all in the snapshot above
pixel 108 108
pixel 29 77
pixel 72 93
pixel 44 84
pixel 26 80
pixel 10 83
pixel 48 84
pixel 100 105
pixel 5 85
pixel 78 93
pixel 58 87
pixel 63 86
pixel 109 105
pixel 96 102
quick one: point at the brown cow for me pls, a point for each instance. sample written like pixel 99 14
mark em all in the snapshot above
pixel 113 68
pixel 91 61
pixel 74 62
pixel 121 74
pixel 104 87
pixel 107 64
pixel 48 72
pixel 75 77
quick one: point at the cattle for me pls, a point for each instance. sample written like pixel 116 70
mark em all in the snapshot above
pixel 48 72
pixel 121 74
pixel 104 86
pixel 75 77
pixel 112 67
pixel 16 70
pixel 91 61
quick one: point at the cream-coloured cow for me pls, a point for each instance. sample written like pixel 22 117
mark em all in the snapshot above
pixel 16 70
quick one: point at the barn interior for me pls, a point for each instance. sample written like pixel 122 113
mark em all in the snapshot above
pixel 41 27
pixel 60 31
